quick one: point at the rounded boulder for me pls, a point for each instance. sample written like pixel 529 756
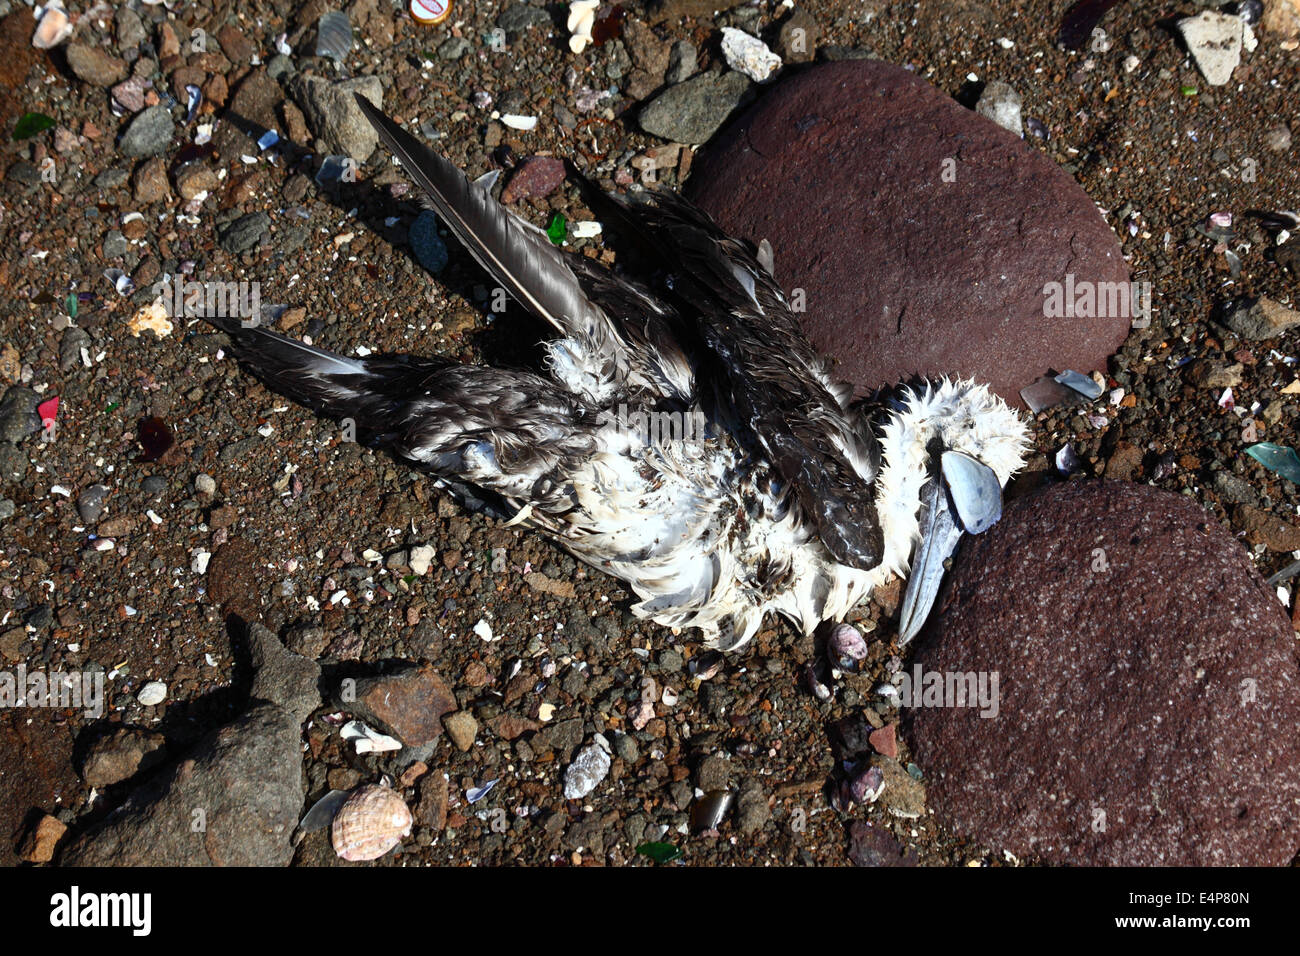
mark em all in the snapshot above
pixel 926 239
pixel 1142 688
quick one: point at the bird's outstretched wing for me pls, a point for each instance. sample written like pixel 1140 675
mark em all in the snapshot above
pixel 639 354
pixel 782 389
pixel 508 433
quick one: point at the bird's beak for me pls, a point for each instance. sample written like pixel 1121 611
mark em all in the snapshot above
pixel 965 495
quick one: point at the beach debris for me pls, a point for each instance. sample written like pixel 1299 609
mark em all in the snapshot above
pixel 322 812
pixel 370 822
pixel 150 318
pixel 334 36
pixel 846 646
pixel 749 55
pixel 29 124
pixel 1085 385
pixel 152 694
pixel 427 13
pixel 1279 459
pixel 367 740
pixel 660 852
pixel 582 15
pixel 1001 103
pixel 1215 41
pixel 53 26
pixel 710 809
pixel 557 228
pixel 1067 461
pixel 588 769
pixel 475 794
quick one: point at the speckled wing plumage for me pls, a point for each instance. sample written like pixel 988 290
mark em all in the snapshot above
pixel 510 433
pixel 793 412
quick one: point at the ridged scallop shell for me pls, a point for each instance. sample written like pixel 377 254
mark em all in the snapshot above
pixel 371 821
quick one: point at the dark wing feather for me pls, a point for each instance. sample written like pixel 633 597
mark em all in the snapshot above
pixel 780 386
pixel 534 271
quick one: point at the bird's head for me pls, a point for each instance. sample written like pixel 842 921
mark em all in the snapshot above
pixel 949 448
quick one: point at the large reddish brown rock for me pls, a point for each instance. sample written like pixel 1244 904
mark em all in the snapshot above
pixel 844 168
pixel 1148 690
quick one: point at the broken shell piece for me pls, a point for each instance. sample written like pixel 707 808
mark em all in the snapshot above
pixel 866 784
pixel 847 646
pixel 586 772
pixel 322 811
pixel 579 11
pixel 334 36
pixel 368 741
pixel 515 121
pixel 1081 383
pixel 371 821
pixel 582 16
pixel 152 318
pixel 121 281
pixel 585 229
pixel 475 794
pixel 705 666
pixel 749 55
pixel 53 28
pixel 709 810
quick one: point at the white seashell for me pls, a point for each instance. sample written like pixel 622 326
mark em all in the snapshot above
pixel 54 27
pixel 515 121
pixel 368 741
pixel 150 318
pixel 581 11
pixel 584 229
pixel 154 692
pixel 586 772
pixel 371 821
pixel 749 55
pixel 578 42
pixel 421 557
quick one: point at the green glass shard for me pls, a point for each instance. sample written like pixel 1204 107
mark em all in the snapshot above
pixel 660 852
pixel 557 228
pixel 72 305
pixel 1277 458
pixel 29 124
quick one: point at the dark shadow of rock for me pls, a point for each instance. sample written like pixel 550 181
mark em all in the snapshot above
pixel 235 797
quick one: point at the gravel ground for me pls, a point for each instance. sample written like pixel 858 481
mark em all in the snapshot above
pixel 291 509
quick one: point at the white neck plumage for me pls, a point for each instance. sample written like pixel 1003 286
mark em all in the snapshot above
pixel 963 416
